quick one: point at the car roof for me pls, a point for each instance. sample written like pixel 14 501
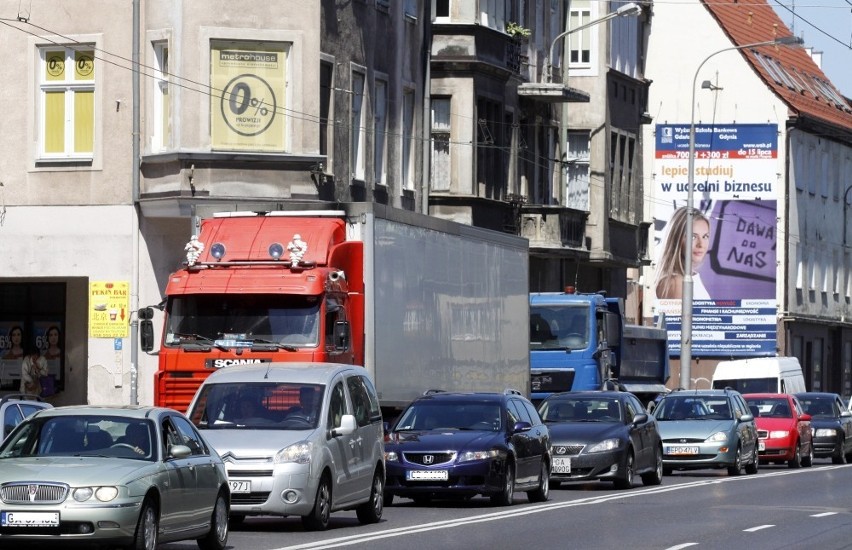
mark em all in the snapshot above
pixel 129 411
pixel 23 398
pixel 703 393
pixel 816 394
pixel 467 396
pixel 766 395
pixel 305 373
pixel 589 393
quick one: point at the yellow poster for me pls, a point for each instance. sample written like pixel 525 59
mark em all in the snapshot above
pixel 247 104
pixel 109 309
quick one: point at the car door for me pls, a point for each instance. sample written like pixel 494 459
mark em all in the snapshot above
pixel 747 430
pixel 364 436
pixel 179 497
pixel 539 438
pixel 525 468
pixel 803 427
pixel 342 448
pixel 204 468
pixel 845 418
pixel 642 433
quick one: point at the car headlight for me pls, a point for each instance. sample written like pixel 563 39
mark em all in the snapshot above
pixel 718 437
pixel 104 494
pixel 300 453
pixel 605 445
pixel 825 432
pixel 778 434
pixel 391 456
pixel 468 456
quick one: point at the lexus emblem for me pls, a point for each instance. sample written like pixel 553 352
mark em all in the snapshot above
pixel 561 450
pixel 32 490
pixel 428 459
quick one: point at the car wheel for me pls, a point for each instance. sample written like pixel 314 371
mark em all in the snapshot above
pixel 808 459
pixel 626 481
pixel 217 538
pixel 752 467
pixel 371 511
pixel 796 461
pixel 655 477
pixel 838 457
pixel 542 492
pixel 317 520
pixel 507 495
pixel 148 527
pixel 737 467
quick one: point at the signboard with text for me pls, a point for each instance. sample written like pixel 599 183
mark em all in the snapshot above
pixel 109 309
pixel 734 236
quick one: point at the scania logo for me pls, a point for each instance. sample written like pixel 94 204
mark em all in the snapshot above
pixel 428 459
pixel 221 363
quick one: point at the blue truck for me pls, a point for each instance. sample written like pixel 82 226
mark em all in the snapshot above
pixel 581 342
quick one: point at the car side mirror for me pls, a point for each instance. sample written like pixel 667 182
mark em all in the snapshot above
pixel 640 418
pixel 347 426
pixel 746 418
pixel 805 417
pixel 845 414
pixel 179 451
pixel 521 427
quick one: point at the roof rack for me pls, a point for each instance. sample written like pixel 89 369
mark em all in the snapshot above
pixel 512 391
pixel 433 391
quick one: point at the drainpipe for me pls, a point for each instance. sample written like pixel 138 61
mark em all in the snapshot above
pixel 426 172
pixel 134 293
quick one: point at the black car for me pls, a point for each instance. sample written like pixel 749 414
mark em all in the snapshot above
pixel 831 424
pixel 468 444
pixel 603 435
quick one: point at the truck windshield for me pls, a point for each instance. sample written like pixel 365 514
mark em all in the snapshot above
pixel 559 327
pixel 237 320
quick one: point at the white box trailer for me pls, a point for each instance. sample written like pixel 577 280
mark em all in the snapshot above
pixel 760 375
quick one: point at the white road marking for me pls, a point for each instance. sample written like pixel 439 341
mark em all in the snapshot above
pixel 822 515
pixel 684 545
pixel 758 528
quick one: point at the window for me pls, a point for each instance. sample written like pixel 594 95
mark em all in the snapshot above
pixel 580 42
pixel 162 105
pixel 67 89
pixel 356 127
pixel 366 411
pixel 442 8
pixel 622 155
pixel 189 436
pixel 440 138
pixel 326 87
pixel 411 8
pixel 336 406
pixel 577 157
pixel 408 139
pixel 380 131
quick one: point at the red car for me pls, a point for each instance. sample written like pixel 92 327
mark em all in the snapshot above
pixel 783 429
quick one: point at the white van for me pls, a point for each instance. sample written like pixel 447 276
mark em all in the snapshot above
pixel 760 375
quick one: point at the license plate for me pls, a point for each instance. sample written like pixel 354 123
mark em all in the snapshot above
pixel 561 465
pixel 761 446
pixel 681 450
pixel 427 475
pixel 29 519
pixel 240 486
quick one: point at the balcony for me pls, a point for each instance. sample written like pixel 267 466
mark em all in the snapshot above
pixel 554 227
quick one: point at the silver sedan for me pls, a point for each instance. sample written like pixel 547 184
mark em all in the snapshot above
pixel 132 476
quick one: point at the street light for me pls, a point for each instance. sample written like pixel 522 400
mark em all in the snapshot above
pixel 627 10
pixel 686 300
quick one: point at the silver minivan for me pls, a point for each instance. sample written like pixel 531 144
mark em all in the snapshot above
pixel 298 439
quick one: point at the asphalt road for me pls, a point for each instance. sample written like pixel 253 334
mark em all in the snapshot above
pixel 778 508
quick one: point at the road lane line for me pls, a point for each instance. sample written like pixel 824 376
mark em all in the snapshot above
pixel 684 545
pixel 823 514
pixel 758 528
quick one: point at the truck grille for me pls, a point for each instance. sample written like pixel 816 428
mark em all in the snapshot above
pixel 41 493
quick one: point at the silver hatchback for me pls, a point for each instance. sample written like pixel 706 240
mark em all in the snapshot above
pixel 298 439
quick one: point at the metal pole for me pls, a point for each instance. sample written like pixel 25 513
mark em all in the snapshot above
pixel 134 305
pixel 686 298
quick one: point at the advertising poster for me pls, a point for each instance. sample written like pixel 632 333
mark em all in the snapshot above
pixel 109 309
pixel 733 239
pixel 12 345
pixel 247 106
pixel 48 340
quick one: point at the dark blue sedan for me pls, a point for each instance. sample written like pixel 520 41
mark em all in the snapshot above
pixel 448 445
pixel 603 435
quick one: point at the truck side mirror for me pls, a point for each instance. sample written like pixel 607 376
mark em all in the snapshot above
pixel 146 329
pixel 341 335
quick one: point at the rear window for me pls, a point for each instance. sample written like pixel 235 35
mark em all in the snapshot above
pixel 748 385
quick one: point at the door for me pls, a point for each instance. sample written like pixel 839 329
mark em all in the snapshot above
pixel 343 448
pixel 525 469
pixel 641 434
pixel 180 495
pixel 369 431
pixel 204 467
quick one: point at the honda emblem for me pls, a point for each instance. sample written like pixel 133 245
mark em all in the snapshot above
pixel 428 459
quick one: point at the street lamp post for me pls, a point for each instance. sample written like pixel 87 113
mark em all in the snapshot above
pixel 686 299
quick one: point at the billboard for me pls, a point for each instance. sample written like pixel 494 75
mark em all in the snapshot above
pixel 734 236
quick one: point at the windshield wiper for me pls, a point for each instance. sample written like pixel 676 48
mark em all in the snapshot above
pixel 198 346
pixel 259 344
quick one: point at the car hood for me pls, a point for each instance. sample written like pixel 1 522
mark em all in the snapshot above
pixel 76 471
pixel 763 423
pixel 824 422
pixel 580 432
pixel 248 443
pixel 692 429
pixel 445 440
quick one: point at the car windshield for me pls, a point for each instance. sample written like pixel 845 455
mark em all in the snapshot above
pixel 570 409
pixel 770 407
pixel 819 407
pixel 693 407
pixel 82 435
pixel 264 406
pixel 451 415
